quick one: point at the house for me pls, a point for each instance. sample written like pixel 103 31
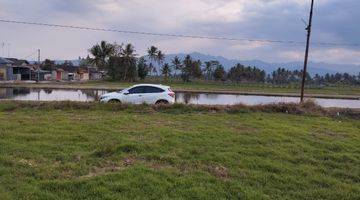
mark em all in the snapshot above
pixel 82 74
pixel 5 69
pixel 42 75
pixel 21 70
pixel 95 74
pixel 12 69
pixel 70 73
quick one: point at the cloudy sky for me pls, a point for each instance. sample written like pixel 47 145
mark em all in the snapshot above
pixel 334 21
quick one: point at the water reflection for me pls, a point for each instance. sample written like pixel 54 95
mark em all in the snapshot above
pixel 187 98
pixel 48 91
pixel 50 94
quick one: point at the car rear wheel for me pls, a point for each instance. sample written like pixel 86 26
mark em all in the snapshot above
pixel 162 102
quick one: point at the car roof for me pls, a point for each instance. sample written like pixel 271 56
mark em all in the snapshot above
pixel 151 85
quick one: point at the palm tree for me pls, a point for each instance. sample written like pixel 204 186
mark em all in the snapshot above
pixel 166 71
pixel 152 53
pixel 160 57
pixel 208 69
pixel 128 54
pixel 176 64
pixel 101 53
pixel 154 71
pixel 151 68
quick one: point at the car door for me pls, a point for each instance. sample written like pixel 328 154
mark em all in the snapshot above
pixel 152 94
pixel 135 95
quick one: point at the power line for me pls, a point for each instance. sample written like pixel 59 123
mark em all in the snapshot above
pixel 292 42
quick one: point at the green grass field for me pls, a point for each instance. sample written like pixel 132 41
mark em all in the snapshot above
pixel 106 153
pixel 255 88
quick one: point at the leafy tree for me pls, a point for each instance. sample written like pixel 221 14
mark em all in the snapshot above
pixel 240 73
pixel 85 62
pixel 48 65
pixel 190 69
pixel 219 73
pixel 142 68
pixel 123 66
pixel 196 71
pixel 186 69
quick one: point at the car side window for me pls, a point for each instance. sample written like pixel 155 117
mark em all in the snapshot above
pixel 136 90
pixel 149 89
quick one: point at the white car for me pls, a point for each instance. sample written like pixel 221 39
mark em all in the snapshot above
pixel 139 94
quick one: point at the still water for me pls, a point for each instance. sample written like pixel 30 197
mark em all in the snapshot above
pixel 188 98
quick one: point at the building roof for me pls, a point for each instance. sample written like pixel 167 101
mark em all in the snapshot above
pixel 4 61
pixel 16 61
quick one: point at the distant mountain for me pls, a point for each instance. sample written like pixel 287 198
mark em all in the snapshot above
pixel 74 62
pixel 314 67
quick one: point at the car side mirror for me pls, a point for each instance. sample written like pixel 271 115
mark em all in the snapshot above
pixel 126 93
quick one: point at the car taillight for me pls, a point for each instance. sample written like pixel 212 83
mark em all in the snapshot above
pixel 171 93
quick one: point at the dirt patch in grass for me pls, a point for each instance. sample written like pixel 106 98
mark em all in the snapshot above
pixel 328 134
pixel 30 163
pixel 107 168
pixel 110 167
pixel 219 171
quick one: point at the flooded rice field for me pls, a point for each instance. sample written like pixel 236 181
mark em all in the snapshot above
pixel 33 94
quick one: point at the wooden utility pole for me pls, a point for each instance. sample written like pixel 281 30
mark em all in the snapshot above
pixel 308 28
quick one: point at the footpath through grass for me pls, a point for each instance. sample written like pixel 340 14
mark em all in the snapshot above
pixel 102 152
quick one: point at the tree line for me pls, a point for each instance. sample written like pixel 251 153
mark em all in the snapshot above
pixel 122 63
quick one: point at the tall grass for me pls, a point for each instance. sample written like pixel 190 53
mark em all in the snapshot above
pixel 306 108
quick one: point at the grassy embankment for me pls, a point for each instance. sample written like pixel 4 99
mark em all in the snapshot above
pixel 86 150
pixel 241 88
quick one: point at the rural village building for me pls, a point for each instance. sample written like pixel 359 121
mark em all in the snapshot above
pixel 12 69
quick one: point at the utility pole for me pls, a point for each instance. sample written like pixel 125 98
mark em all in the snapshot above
pixel 2 48
pixel 308 28
pixel 9 46
pixel 38 70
